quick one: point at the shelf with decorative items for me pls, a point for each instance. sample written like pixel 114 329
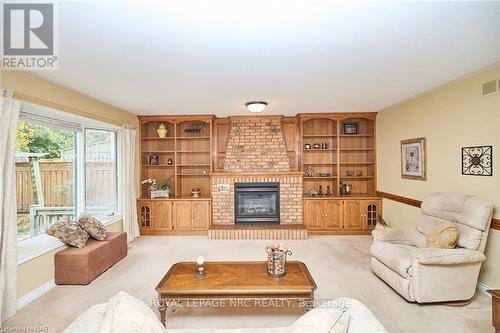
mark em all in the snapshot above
pixel 319 141
pixel 357 155
pixel 175 150
pixel 193 157
pixel 345 166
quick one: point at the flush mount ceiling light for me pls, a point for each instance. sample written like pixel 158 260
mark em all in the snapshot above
pixel 256 107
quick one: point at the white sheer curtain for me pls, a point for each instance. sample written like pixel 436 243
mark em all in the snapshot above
pixel 9 115
pixel 129 183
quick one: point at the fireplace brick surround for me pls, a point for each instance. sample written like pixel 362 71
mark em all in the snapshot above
pixel 290 195
pixel 256 153
pixel 256 145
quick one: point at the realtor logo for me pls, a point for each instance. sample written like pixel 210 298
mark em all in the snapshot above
pixel 29 36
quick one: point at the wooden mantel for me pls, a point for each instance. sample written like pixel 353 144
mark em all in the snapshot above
pixel 254 174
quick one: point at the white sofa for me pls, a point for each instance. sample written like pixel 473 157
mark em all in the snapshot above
pixel 420 274
pixel 124 313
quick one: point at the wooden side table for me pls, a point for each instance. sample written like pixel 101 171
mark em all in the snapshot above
pixel 495 304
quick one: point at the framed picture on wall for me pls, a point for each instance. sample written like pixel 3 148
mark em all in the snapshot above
pixel 413 159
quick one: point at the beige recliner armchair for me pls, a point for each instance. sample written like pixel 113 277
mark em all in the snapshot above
pixel 423 275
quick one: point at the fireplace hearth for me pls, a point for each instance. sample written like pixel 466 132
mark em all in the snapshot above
pixel 257 203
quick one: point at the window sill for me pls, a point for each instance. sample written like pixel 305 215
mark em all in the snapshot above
pixel 31 248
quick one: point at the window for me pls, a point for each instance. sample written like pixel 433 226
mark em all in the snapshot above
pixel 45 182
pixel 100 172
pixel 62 170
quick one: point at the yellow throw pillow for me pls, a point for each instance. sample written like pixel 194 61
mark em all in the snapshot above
pixel 444 236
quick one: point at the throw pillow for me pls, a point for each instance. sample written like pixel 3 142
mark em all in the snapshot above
pixel 69 233
pixel 91 225
pixel 125 313
pixel 444 236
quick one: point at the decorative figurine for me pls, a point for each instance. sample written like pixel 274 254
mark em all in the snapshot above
pixel 312 192
pixel 347 189
pixel 307 146
pixel 162 131
pixel 195 192
pixel 200 273
pixel 328 190
pixel 170 161
pixel 320 192
pixel 309 172
pixel 316 146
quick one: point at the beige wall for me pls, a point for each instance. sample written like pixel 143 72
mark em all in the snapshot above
pixel 40 270
pixel 32 88
pixel 37 90
pixel 450 117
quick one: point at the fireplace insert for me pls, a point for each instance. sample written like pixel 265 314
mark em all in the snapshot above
pixel 256 203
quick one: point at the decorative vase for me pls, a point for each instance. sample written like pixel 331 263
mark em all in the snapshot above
pixel 162 131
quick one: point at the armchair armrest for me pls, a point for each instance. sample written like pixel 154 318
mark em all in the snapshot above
pixel 435 256
pixel 399 236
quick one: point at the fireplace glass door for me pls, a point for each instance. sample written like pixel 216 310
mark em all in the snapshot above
pixel 257 203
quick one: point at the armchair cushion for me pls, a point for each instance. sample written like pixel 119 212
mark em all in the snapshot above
pixel 396 257
pixel 434 256
pixel 399 236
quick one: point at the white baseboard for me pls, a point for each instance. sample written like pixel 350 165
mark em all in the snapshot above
pixel 482 287
pixel 33 295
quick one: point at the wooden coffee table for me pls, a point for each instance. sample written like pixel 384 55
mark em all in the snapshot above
pixel 229 281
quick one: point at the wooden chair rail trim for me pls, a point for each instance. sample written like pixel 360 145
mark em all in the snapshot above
pixel 495 223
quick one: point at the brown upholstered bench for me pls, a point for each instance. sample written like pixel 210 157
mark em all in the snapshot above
pixel 82 266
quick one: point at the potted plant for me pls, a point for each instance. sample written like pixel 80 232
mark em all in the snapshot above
pixel 162 191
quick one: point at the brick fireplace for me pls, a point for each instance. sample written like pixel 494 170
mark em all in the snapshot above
pixel 256 153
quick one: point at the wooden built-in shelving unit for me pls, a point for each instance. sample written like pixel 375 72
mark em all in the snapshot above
pixel 345 152
pixel 190 153
pixel 348 158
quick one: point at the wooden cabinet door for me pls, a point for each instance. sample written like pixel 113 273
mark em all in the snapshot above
pixel 332 214
pixel 372 208
pixel 163 215
pixel 182 215
pixel 201 215
pixel 313 214
pixel 145 214
pixel 352 218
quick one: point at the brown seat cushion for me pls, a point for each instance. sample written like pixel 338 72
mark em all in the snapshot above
pixel 82 265
pixel 118 246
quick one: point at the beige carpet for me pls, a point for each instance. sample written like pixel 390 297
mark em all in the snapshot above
pixel 339 265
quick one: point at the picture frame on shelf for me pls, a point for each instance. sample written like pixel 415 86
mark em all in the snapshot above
pixel 413 159
pixel 350 127
pixel 153 159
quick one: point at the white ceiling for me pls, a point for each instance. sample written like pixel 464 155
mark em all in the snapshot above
pixel 193 57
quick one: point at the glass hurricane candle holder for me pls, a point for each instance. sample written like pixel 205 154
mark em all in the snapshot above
pixel 200 273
